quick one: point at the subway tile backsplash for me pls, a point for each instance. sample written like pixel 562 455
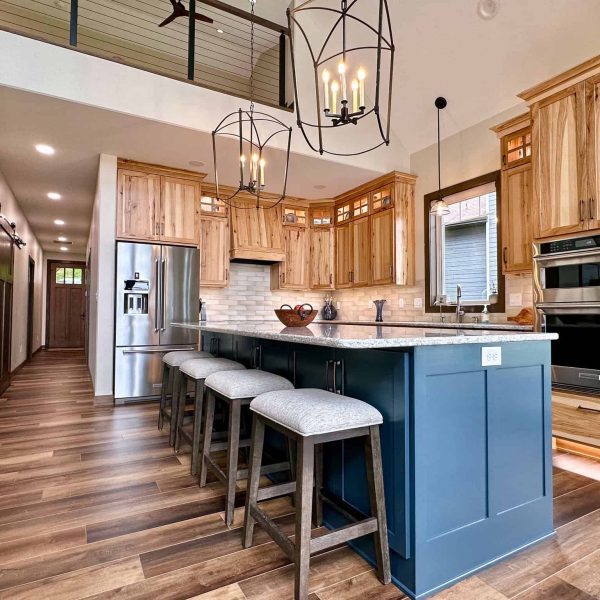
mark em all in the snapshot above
pixel 249 297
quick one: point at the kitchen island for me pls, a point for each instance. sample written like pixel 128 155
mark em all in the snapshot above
pixel 466 444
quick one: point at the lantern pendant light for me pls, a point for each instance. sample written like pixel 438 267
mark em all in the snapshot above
pixel 253 131
pixel 332 76
pixel 439 206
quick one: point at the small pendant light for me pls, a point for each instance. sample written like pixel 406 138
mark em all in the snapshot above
pixel 439 206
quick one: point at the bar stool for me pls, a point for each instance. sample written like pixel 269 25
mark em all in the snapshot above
pixel 236 390
pixel 196 371
pixel 311 417
pixel 170 382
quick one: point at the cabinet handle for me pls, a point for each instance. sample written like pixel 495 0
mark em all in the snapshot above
pixel 505 255
pixel 582 211
pixel 330 278
pixel 391 270
pixel 351 276
pixel 588 409
pixel 328 379
pixel 592 206
pixel 226 274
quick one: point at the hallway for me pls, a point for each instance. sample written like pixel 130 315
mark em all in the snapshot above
pixel 93 503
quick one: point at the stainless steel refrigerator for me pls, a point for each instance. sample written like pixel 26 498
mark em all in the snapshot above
pixel 156 286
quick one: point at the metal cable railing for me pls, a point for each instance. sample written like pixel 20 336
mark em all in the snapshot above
pixel 215 55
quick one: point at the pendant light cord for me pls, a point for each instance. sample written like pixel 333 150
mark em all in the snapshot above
pixel 252 2
pixel 439 156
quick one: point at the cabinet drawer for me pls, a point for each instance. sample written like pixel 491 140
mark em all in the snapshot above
pixel 577 419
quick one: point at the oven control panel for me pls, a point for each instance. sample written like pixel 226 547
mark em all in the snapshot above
pixel 570 245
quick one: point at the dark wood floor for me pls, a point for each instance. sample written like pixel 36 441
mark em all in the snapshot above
pixel 93 504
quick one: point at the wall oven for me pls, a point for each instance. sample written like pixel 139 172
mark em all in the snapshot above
pixel 567 302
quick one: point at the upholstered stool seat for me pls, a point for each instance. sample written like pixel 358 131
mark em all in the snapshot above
pixel 311 418
pixel 170 386
pixel 312 411
pixel 235 389
pixel 247 384
pixel 197 370
pixel 200 368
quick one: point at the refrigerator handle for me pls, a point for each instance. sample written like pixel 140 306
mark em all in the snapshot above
pixel 162 299
pixel 157 296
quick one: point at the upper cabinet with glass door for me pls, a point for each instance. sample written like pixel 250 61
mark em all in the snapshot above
pixel 210 206
pixel 516 148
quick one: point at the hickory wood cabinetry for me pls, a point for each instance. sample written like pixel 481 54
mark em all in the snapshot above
pixel 157 204
pixel 517 194
pixel 321 247
pixel 214 240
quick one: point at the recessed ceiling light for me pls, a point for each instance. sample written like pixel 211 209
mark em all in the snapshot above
pixel 54 196
pixel 196 163
pixel 320 186
pixel 220 31
pixel 64 248
pixel 488 9
pixel 61 238
pixel 45 149
pixel 59 222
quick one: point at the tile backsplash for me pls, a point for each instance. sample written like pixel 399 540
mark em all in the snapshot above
pixel 249 297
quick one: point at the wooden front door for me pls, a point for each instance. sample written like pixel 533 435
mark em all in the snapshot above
pixel 66 305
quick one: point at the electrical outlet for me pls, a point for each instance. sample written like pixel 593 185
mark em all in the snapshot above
pixel 418 302
pixel 515 299
pixel 401 302
pixel 491 356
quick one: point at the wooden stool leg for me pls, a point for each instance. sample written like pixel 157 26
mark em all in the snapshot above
pixel 233 448
pixel 318 502
pixel 179 410
pixel 174 401
pixel 291 450
pixel 304 491
pixel 209 418
pixel 198 410
pixel 163 395
pixel 376 495
pixel 256 450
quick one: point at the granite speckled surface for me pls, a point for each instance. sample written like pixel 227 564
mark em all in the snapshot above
pixel 365 336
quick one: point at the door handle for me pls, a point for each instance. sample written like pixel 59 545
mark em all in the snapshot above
pixel 588 409
pixel 156 296
pixel 152 350
pixel 162 300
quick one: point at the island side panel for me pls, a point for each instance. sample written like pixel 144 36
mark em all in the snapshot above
pixel 483 457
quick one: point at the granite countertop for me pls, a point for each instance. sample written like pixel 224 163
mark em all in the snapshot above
pixel 365 336
pixel 435 324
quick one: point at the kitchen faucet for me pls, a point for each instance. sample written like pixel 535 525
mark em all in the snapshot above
pixel 460 313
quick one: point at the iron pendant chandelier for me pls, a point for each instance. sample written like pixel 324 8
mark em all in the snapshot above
pixel 338 84
pixel 251 131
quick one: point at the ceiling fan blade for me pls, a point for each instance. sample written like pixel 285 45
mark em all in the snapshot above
pixel 168 20
pixel 204 18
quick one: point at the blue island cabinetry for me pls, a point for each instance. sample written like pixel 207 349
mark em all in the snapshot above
pixel 466 448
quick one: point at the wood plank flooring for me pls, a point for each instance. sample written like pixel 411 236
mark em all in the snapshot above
pixel 93 504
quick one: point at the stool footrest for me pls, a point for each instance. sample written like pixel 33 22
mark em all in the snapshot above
pixel 343 535
pixel 220 446
pixel 271 528
pixel 275 491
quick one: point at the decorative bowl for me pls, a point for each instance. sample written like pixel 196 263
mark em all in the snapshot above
pixel 296 317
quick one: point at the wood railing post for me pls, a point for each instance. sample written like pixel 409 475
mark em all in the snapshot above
pixel 192 41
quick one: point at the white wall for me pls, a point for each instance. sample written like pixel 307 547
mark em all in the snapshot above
pixel 101 244
pixel 11 210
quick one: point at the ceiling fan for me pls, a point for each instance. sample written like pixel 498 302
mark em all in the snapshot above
pixel 179 10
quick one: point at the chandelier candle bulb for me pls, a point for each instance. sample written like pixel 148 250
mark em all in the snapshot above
pixel 354 95
pixel 361 85
pixel 342 72
pixel 326 88
pixel 262 172
pixel 335 86
pixel 254 174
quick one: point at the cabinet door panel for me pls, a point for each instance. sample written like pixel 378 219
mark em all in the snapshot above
pixel 593 152
pixel 214 252
pixel 321 259
pixel 343 256
pixel 138 201
pixel 382 247
pixel 295 267
pixel 361 255
pixel 559 163
pixel 517 227
pixel 180 204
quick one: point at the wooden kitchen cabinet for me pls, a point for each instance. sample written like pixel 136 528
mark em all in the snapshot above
pixel 343 256
pixel 360 235
pixel 559 163
pixel 214 252
pixel 516 223
pixel 322 252
pixel 138 202
pixel 256 233
pixel 179 208
pixel 382 247
pixel 592 93
pixel 293 272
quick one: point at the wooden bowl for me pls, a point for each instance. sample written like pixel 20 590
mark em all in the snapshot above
pixel 296 318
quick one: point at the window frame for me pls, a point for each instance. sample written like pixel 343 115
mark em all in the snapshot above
pixel 493 177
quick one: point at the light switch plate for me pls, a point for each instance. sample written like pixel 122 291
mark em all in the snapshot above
pixel 515 299
pixel 418 302
pixel 401 302
pixel 491 356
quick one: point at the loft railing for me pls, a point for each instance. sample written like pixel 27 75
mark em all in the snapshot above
pixel 214 55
